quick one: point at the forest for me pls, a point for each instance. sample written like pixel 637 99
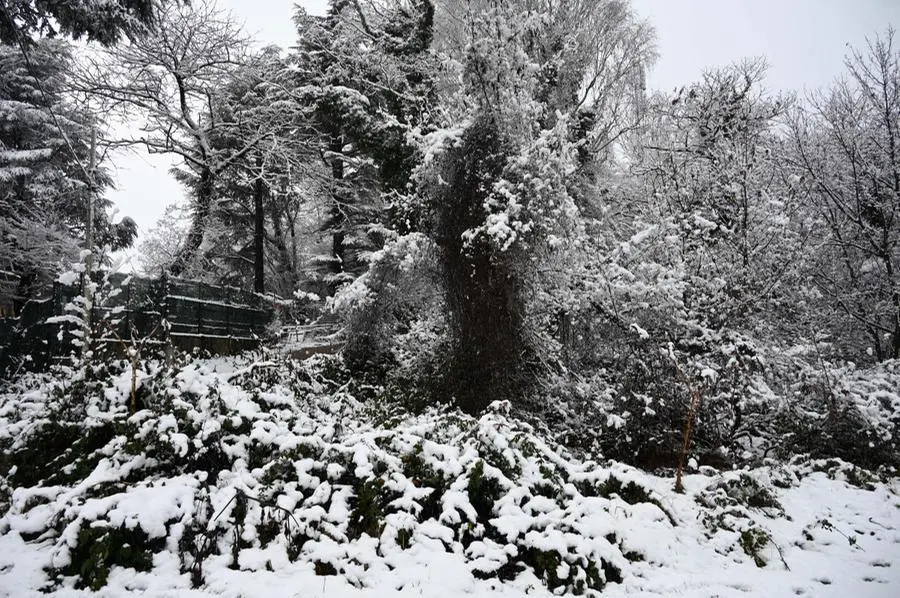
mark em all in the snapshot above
pixel 561 298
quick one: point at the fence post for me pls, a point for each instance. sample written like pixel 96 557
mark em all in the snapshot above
pixel 199 316
pixel 162 303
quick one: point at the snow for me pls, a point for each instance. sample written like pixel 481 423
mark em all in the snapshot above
pixel 300 454
pixel 68 278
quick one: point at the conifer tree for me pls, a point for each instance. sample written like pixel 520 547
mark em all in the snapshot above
pixel 366 71
pixel 45 142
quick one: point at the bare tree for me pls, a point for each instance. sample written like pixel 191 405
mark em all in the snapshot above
pixel 169 80
pixel 709 156
pixel 847 149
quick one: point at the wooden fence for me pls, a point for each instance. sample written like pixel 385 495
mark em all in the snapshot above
pixel 219 319
pixel 198 314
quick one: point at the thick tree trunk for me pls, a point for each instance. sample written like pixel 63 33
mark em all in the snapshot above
pixel 482 292
pixel 288 263
pixel 259 232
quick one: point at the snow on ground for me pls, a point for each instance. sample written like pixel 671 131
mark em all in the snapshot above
pixel 397 505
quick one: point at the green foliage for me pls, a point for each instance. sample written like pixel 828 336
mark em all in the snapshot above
pixel 297 434
pixel 404 538
pixel 548 563
pixel 98 549
pixel 483 491
pixel 46 139
pixel 57 453
pixel 367 509
pixel 746 490
pixel 424 476
pixel 27 20
pixel 753 541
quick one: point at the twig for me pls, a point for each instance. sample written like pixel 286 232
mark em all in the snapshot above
pixel 696 398
pixel 780 554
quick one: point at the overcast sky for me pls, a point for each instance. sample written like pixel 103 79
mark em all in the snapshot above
pixel 804 42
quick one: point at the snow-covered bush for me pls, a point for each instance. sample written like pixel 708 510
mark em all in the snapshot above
pixel 840 411
pixel 391 299
pixel 252 464
pixel 629 398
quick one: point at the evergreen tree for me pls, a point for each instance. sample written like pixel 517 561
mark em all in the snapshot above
pixel 22 21
pixel 366 71
pixel 45 145
pixel 260 196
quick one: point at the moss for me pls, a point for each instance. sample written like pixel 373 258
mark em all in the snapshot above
pixel 483 491
pixel 98 549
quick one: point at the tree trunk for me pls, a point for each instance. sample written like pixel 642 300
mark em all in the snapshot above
pixel 259 231
pixel 203 204
pixel 482 285
pixel 338 218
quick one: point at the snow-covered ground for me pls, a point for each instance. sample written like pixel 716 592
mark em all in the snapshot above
pixel 316 494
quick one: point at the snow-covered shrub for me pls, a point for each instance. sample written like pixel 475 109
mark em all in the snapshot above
pixel 737 507
pixel 250 464
pixel 631 393
pixel 841 411
pixel 388 300
pixel 628 389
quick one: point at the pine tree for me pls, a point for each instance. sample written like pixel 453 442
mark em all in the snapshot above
pixel 22 21
pixel 260 196
pixel 44 150
pixel 366 70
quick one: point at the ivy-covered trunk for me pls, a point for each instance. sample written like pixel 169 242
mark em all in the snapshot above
pixel 482 290
pixel 259 232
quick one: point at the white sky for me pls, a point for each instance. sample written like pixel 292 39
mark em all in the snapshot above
pixel 804 42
